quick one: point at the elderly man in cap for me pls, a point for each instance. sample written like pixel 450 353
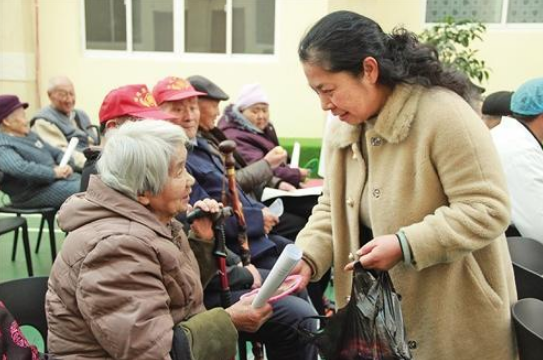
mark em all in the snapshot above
pixel 32 174
pixel 495 106
pixel 179 98
pixel 252 177
pixel 519 144
pixel 125 103
pixel 59 122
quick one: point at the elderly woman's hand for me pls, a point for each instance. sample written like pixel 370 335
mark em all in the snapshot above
pixel 202 227
pixel 246 318
pixel 62 172
pixel 381 253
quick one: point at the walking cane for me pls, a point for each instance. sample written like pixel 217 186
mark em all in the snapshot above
pixel 227 148
pixel 219 250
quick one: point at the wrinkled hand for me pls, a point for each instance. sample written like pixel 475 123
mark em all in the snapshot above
pixel 304 174
pixel 63 172
pixel 257 278
pixel 304 270
pixel 285 186
pixel 246 318
pixel 270 220
pixel 381 253
pixel 276 156
pixel 203 227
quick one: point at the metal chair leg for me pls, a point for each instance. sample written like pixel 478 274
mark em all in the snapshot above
pixel 26 244
pixel 52 240
pixel 42 222
pixel 14 246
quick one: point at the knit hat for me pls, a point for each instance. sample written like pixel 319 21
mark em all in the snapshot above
pixel 528 99
pixel 207 86
pixel 498 104
pixel 8 104
pixel 251 94
pixel 131 100
pixel 173 88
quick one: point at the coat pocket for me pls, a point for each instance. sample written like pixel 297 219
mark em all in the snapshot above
pixel 481 283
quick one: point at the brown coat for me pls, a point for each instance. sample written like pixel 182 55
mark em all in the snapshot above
pixel 122 281
pixel 434 173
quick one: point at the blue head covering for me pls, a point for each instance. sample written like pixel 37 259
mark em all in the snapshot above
pixel 528 99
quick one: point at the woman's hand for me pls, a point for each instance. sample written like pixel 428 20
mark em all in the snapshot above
pixel 304 270
pixel 381 253
pixel 285 186
pixel 202 227
pixel 304 174
pixel 276 156
pixel 246 318
pixel 257 278
pixel 62 172
pixel 270 220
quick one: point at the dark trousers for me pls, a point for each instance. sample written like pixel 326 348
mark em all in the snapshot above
pixel 280 333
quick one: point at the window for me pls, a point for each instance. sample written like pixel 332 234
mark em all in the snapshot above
pixel 181 26
pixel 487 11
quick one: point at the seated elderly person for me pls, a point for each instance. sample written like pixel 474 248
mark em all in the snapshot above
pixel 32 175
pixel 59 122
pixel 127 284
pixel 126 103
pixel 519 140
pixel 247 122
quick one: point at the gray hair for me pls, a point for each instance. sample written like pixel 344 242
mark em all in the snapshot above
pixel 56 81
pixel 137 156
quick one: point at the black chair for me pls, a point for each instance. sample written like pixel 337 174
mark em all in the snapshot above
pixel 528 321
pixel 527 257
pixel 47 214
pixel 25 299
pixel 8 225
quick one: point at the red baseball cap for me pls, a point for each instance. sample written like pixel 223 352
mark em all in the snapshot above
pixel 131 100
pixel 173 88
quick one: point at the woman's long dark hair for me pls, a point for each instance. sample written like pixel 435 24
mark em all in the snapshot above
pixel 341 40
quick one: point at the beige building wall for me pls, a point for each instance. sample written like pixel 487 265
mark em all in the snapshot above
pixel 17 55
pixel 513 56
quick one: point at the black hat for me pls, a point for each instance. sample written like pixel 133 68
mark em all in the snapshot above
pixel 203 84
pixel 8 104
pixel 498 104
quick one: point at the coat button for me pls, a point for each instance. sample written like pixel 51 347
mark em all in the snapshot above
pixel 376 141
pixel 376 193
pixel 412 345
pixel 350 202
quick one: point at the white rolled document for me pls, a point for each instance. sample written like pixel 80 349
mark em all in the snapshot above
pixel 288 259
pixel 295 158
pixel 69 151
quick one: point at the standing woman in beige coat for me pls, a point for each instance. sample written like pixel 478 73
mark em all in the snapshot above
pixel 413 185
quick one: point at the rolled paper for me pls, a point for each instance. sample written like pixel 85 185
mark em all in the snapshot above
pixel 69 151
pixel 288 259
pixel 295 158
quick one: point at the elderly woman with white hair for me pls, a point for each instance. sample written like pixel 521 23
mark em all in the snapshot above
pixel 127 284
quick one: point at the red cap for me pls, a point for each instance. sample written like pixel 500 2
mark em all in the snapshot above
pixel 131 100
pixel 173 88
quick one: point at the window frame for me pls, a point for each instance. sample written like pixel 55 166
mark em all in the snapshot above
pixel 178 52
pixel 502 25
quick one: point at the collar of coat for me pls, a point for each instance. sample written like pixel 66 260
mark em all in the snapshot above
pixel 392 123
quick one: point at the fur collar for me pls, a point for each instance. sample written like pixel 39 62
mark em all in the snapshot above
pixel 393 122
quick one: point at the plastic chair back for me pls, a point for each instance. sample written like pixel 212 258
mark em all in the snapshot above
pixel 527 257
pixel 528 321
pixel 25 299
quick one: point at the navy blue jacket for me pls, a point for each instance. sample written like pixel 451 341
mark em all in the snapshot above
pixel 207 169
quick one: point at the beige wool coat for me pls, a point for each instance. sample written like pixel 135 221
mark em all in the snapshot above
pixel 432 172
